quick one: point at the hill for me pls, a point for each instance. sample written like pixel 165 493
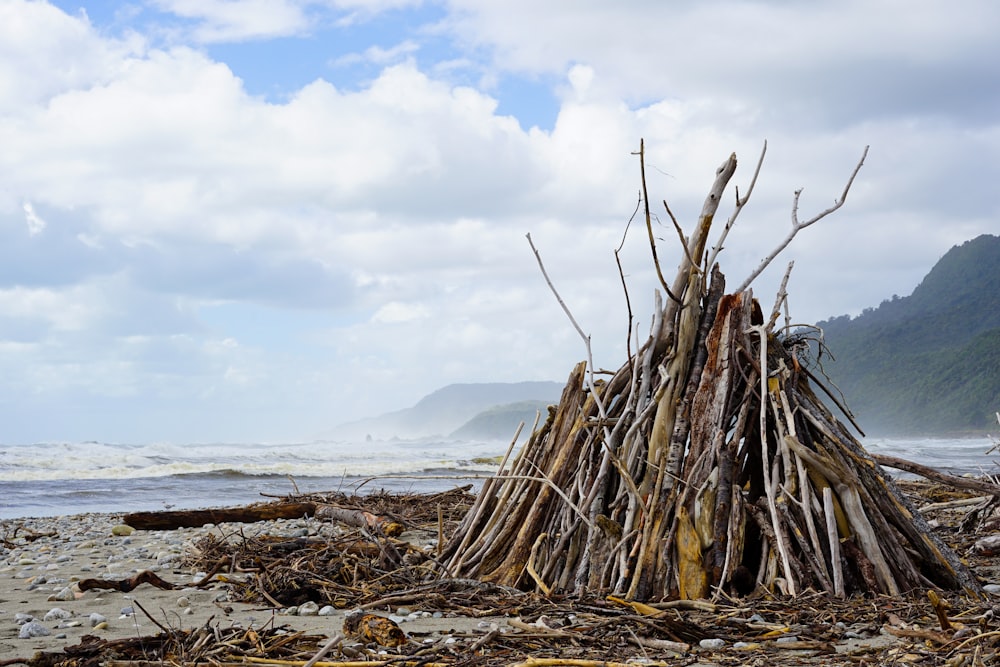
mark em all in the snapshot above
pixel 929 363
pixel 500 422
pixel 450 408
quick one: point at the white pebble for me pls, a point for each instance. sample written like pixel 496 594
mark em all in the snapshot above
pixel 328 610
pixel 183 602
pixel 712 643
pixel 57 614
pixel 96 619
pixel 33 629
pixel 64 595
pixel 308 609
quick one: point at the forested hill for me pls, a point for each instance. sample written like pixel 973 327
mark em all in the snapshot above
pixel 928 363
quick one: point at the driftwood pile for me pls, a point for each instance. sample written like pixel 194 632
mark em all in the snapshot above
pixel 706 465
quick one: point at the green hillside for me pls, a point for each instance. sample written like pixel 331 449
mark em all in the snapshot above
pixel 500 422
pixel 929 363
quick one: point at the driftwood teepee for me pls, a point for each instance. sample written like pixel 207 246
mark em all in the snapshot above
pixel 706 463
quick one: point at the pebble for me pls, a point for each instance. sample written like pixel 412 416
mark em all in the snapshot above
pixel 992 589
pixel 99 546
pixel 787 639
pixel 57 614
pixel 64 595
pixel 33 629
pixel 308 609
pixel 712 643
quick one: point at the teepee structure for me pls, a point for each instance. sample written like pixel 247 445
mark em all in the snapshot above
pixel 706 464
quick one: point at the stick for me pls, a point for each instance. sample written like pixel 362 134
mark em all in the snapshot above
pixel 930 473
pixel 834 538
pixel 799 226
pixel 327 647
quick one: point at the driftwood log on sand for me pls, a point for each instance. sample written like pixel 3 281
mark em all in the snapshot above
pixel 705 465
pixel 169 520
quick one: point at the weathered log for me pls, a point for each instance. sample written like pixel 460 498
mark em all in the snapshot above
pixel 127 585
pixel 170 520
pixel 970 483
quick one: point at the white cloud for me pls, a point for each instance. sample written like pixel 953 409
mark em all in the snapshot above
pixel 238 20
pixel 395 312
pixel 36 225
pixel 203 241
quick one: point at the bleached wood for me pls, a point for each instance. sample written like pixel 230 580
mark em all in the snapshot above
pixel 799 226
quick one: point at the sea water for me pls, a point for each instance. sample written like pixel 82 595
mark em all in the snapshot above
pixel 48 479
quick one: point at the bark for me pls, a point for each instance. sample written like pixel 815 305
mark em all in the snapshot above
pixel 170 520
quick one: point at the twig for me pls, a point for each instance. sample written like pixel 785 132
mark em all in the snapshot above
pixel 740 203
pixel 327 647
pixel 798 226
pixel 649 222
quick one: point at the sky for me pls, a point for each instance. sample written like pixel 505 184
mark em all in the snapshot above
pixel 253 220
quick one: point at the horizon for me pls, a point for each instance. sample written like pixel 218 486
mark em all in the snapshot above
pixel 228 221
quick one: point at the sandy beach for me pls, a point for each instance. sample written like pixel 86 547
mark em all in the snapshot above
pixel 43 560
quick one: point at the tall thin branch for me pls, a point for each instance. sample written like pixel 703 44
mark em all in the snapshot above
pixel 649 222
pixel 740 203
pixel 799 226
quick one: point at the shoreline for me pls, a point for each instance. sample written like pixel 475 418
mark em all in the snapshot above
pixel 43 559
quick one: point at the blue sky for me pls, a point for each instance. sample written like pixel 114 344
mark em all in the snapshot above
pixel 253 220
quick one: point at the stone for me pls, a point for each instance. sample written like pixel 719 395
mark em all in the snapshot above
pixel 33 629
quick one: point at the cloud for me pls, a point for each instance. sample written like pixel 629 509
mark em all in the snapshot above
pixel 357 242
pixel 35 223
pixel 238 20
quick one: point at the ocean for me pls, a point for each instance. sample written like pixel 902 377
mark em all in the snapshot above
pixel 51 479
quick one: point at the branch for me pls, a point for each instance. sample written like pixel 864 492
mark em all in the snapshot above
pixel 740 203
pixel 798 226
pixel 598 401
pixel 649 221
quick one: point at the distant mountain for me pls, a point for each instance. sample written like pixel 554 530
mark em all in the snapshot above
pixel 929 363
pixel 452 407
pixel 500 422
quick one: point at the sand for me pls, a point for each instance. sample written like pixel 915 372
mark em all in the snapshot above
pixel 45 559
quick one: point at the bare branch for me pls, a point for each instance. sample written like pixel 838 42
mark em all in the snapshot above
pixel 649 221
pixel 598 401
pixel 781 298
pixel 798 226
pixel 740 203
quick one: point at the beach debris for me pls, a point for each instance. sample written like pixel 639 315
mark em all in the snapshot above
pixel 374 628
pixel 705 466
pixel 489 625
pixel 126 585
pixel 172 519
